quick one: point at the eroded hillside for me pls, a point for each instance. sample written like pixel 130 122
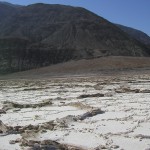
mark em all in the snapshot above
pixel 40 35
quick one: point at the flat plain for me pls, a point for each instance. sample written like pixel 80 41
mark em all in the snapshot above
pixel 84 112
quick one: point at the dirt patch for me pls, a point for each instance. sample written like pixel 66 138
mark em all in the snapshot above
pixel 102 66
pixel 91 95
pixel 91 113
pixel 63 122
pixel 80 105
pixel 47 145
pixel 66 120
pixel 25 130
pixel 2 111
pixel 11 105
pixel 36 88
pixel 143 136
pixel 127 90
pixel 42 145
pixel 4 128
pixel 99 86
pixel 145 91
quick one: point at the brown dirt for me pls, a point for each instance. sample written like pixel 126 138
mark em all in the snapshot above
pixel 99 66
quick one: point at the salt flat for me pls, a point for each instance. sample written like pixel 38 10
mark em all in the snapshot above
pixel 88 113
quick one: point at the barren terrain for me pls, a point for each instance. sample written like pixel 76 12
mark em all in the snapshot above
pixel 112 65
pixel 89 113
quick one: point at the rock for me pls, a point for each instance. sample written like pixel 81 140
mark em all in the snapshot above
pixel 101 147
pixel 115 146
pixel 3 127
pixel 47 125
pixel 80 105
pixel 29 148
pixel 143 136
pixel 96 111
pixel 16 128
pixel 145 91
pixel 2 111
pixel 36 146
pixel 18 140
pixel 43 142
pixel 31 143
pixel 127 90
pixel 21 129
pixel 52 145
pixel 10 105
pixel 47 142
pixel 24 142
pixel 16 110
pixel 63 122
pixel 91 95
pixel 12 142
pixel 43 131
pixel 49 147
pixel 30 127
pixel 91 113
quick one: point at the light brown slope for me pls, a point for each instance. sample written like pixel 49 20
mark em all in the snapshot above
pixel 97 66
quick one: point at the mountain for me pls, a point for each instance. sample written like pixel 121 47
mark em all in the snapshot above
pixel 41 34
pixel 137 34
pixel 9 4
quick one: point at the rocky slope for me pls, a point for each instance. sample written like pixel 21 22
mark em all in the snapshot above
pixel 39 35
pixel 137 34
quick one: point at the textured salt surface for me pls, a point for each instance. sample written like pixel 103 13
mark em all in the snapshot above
pixel 123 123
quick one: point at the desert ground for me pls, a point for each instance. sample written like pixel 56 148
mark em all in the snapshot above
pixel 111 65
pixel 89 112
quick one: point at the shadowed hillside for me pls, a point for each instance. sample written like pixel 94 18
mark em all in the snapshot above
pixel 137 34
pixel 40 35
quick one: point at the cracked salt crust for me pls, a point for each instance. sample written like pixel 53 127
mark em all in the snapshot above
pixel 130 143
pixel 27 116
pixel 126 115
pixel 5 145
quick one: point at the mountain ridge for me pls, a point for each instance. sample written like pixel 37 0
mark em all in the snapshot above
pixel 135 33
pixel 42 34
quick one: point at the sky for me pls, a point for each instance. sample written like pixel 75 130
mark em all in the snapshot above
pixel 131 13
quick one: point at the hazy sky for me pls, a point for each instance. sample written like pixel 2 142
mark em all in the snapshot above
pixel 133 13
